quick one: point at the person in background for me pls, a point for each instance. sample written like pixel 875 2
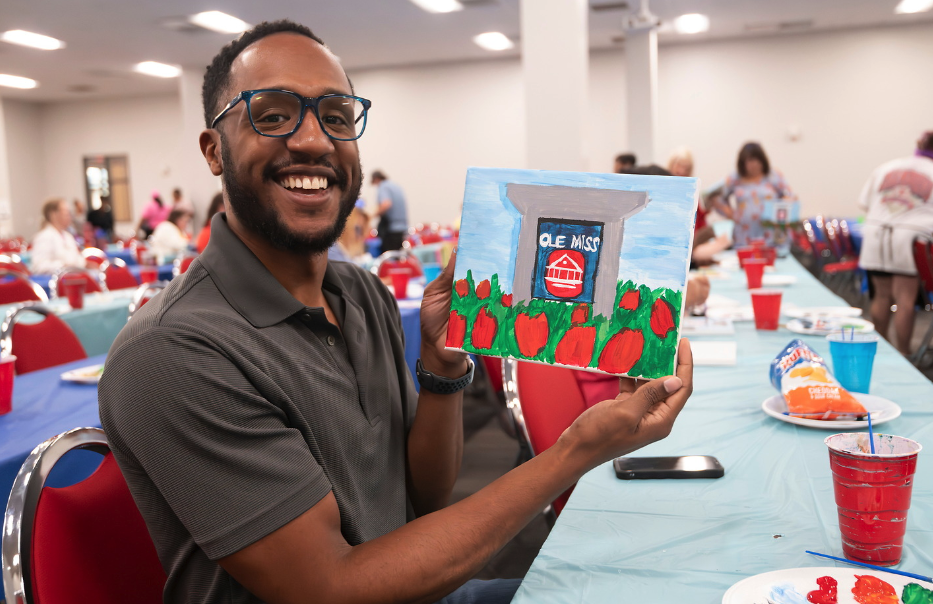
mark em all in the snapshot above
pixel 624 163
pixel 53 247
pixel 179 202
pixel 101 221
pixel 170 237
pixel 898 200
pixel 705 242
pixel 392 211
pixel 351 246
pixel 155 212
pixel 217 205
pixel 78 218
pixel 752 184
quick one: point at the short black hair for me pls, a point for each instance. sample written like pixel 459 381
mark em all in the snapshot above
pixel 627 158
pixel 926 141
pixel 378 174
pixel 752 151
pixel 217 76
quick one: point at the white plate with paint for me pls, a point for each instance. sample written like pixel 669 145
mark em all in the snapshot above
pixel 84 375
pixel 882 410
pixel 841 312
pixel 823 326
pixel 777 280
pixel 792 585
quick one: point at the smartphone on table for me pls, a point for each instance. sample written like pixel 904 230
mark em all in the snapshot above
pixel 688 466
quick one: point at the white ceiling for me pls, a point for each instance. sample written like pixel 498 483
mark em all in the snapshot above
pixel 106 37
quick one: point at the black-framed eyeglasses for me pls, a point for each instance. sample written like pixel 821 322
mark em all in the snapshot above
pixel 279 113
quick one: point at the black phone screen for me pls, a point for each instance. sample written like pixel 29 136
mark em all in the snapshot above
pixel 689 466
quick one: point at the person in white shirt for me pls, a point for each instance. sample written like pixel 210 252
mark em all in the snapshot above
pixel 170 238
pixel 898 199
pixel 53 247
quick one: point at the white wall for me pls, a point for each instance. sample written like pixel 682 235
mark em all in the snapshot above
pixel 23 122
pixel 859 97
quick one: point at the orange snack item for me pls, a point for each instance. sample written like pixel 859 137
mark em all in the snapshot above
pixel 809 389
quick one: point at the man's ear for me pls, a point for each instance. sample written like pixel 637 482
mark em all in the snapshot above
pixel 211 147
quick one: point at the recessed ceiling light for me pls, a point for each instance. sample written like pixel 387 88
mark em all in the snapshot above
pixel 223 23
pixel 913 6
pixel 159 70
pixel 438 6
pixel 27 38
pixel 493 40
pixel 13 81
pixel 692 23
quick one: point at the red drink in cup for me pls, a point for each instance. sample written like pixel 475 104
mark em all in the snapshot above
pixel 148 274
pixel 767 306
pixel 400 277
pixel 7 364
pixel 754 270
pixel 74 290
pixel 872 493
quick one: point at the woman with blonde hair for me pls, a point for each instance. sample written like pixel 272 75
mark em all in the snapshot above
pixel 53 247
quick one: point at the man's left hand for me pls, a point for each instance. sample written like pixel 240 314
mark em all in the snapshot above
pixel 435 312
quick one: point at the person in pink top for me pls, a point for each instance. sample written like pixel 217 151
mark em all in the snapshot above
pixel 155 213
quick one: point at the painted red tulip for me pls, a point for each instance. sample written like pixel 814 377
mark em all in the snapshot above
pixel 580 314
pixel 662 318
pixel 506 299
pixel 456 329
pixel 484 330
pixel 483 289
pixel 462 287
pixel 622 351
pixel 531 333
pixel 629 300
pixel 576 347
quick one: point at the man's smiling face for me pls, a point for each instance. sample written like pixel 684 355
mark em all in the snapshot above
pixel 295 192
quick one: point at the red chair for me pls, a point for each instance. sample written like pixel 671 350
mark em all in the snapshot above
pixel 96 281
pixel 181 263
pixel 16 288
pixel 117 276
pixel 923 258
pixel 94 255
pixel 388 261
pixel 544 401
pixel 14 264
pixel 83 543
pixel 39 345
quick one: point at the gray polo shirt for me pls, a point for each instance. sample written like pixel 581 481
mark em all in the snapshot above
pixel 232 409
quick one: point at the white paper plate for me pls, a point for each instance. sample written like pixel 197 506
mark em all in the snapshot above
pixel 758 589
pixel 882 410
pixel 84 375
pixel 823 326
pixel 823 311
pixel 777 280
pixel 733 313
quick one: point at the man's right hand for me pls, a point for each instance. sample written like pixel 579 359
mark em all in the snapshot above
pixel 631 420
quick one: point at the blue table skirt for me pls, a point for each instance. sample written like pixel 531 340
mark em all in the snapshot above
pixel 125 255
pixel 675 541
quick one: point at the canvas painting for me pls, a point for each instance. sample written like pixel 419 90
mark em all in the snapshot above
pixel 580 270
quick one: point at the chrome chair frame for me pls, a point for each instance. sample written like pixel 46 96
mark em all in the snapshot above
pixel 13 258
pixel 402 255
pixel 19 517
pixel 6 328
pixel 96 274
pixel 140 294
pixel 36 288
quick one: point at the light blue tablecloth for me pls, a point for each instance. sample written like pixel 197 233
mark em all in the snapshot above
pixel 677 541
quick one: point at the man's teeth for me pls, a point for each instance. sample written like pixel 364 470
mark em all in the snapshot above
pixel 304 182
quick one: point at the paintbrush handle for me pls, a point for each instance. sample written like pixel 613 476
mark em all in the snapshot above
pixel 873 567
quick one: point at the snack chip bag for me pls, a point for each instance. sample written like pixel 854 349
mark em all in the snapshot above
pixel 809 389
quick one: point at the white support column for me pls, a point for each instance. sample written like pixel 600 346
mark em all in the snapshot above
pixel 641 84
pixel 555 65
pixel 197 182
pixel 6 207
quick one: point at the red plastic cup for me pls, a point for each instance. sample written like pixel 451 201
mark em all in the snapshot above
pixel 7 365
pixel 769 254
pixel 766 303
pixel 757 243
pixel 400 277
pixel 745 253
pixel 872 493
pixel 148 274
pixel 754 271
pixel 74 290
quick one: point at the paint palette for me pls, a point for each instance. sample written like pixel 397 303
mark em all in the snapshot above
pixel 792 586
pixel 882 410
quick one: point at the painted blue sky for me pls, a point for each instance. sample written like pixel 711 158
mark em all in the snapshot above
pixel 655 244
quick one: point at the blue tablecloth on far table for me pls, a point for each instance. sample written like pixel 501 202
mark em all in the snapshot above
pixel 676 541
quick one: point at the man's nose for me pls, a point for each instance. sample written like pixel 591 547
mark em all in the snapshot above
pixel 310 136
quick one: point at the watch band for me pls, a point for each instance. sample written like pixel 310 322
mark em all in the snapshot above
pixel 442 385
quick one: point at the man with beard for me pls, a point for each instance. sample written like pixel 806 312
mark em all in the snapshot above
pixel 260 407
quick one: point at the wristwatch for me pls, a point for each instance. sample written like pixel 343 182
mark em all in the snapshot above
pixel 442 385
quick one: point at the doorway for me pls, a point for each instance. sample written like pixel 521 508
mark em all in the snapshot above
pixel 107 188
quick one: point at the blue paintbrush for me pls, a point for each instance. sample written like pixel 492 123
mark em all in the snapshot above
pixel 871 435
pixel 873 567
